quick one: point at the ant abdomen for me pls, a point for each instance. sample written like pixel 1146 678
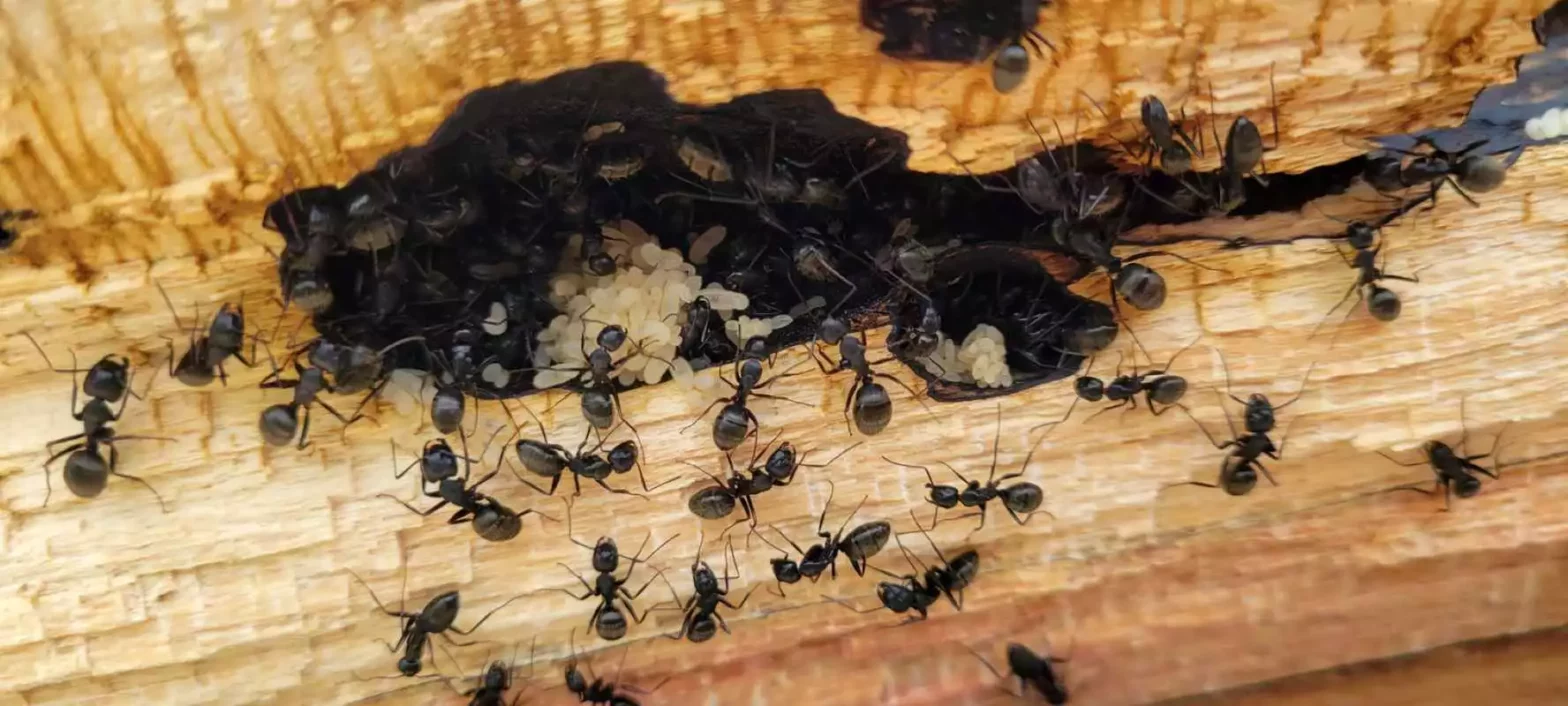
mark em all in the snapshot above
pixel 1384 304
pixel 611 624
pixel 85 474
pixel 1140 286
pixel 1023 498
pixel 1168 389
pixel 711 503
pixel 497 524
pixel 873 409
pixel 598 408
pixel 278 424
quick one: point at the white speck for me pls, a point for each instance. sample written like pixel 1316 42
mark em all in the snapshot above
pixel 495 323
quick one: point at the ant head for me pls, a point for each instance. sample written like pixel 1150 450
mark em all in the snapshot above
pixel 601 265
pixel 1481 172
pixel 1155 118
pixel 107 379
pixel 623 457
pixel 1439 453
pixel 1383 303
pixel 756 347
pixel 278 424
pixel 611 338
pixel 1009 67
pixel 606 557
pixel 409 665
pixel 1466 486
pixel 498 676
pixel 781 463
pixel 1260 414
pixel 1140 286
pixel 611 625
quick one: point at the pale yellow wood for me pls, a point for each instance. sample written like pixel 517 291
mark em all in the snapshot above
pixel 170 110
pixel 241 593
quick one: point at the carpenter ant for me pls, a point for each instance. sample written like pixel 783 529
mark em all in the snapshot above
pixel 448 405
pixel 1162 137
pixel 1454 469
pixel 225 336
pixel 543 458
pixel 1033 672
pixel 1382 303
pixel 1462 170
pixel 1239 469
pixel 435 618
pixel 601 403
pixel 108 380
pixel 600 692
pixel 912 592
pixel 86 471
pixel 1157 385
pixel 860 544
pixel 306 250
pixel 873 409
pixel 607 619
pixel 1243 152
pixel 718 501
pixel 354 368
pixel 1022 497
pixel 491 520
pixel 735 421
pixel 280 422
pixel 491 685
pixel 702 619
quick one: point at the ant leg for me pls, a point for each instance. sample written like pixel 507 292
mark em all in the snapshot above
pixel 1229 443
pixel 379 605
pixel 1025 519
pixel 422 513
pixel 114 460
pixel 304 433
pixel 1266 473
pixel 844 603
pixel 617 491
pixel 1008 684
pixel 482 619
pixel 848 400
pixel 704 413
pixel 1299 390
pixel 1399 463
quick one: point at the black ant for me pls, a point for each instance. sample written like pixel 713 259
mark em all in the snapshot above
pixel 224 339
pixel 1162 137
pixel 859 544
pixel 918 593
pixel 1465 172
pixel 1382 303
pixel 607 619
pixel 280 422
pixel 702 620
pixel 1239 469
pixel 492 684
pixel 719 500
pixel 1011 63
pixel 601 403
pixel 491 520
pixel 435 618
pixel 548 460
pixel 1033 672
pixel 600 692
pixel 1157 385
pixel 86 471
pixel 735 422
pixel 1242 155
pixel 1021 498
pixel 300 267
pixel 448 405
pixel 1454 470
pixel 872 406
pixel 354 368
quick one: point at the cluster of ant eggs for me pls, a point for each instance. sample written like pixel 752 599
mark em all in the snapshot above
pixel 647 296
pixel 1549 126
pixel 980 360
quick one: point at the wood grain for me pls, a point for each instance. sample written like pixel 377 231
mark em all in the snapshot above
pixel 171 111
pixel 241 594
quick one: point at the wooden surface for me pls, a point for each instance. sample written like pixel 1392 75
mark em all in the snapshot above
pixel 241 593
pixel 170 123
